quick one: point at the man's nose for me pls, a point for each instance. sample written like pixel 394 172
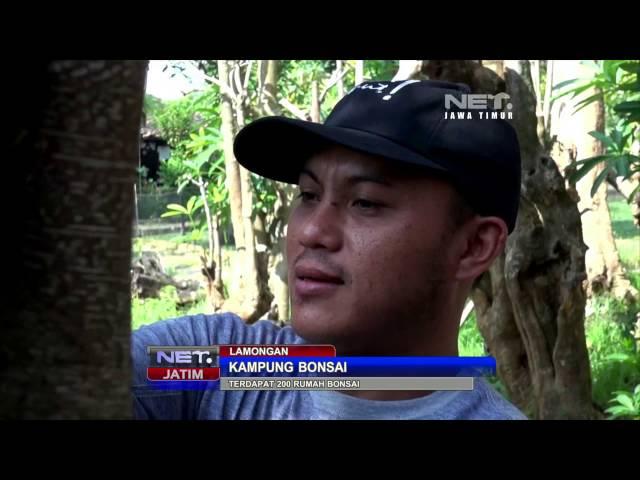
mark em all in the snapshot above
pixel 322 227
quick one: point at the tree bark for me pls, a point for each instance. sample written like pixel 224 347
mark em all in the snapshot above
pixel 212 263
pixel 315 102
pixel 252 297
pixel 340 84
pixel 605 273
pixel 359 77
pixel 277 265
pixel 231 165
pixel 66 321
pixel 530 305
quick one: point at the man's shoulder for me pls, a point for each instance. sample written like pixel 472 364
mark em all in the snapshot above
pixel 491 405
pixel 219 328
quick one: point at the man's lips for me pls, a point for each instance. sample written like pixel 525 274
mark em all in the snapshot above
pixel 316 273
pixel 313 280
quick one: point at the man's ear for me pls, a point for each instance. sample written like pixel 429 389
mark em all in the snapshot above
pixel 485 238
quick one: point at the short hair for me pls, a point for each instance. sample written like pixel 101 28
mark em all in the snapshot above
pixel 460 210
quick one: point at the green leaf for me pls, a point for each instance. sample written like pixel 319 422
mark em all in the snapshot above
pixel 177 207
pixel 630 106
pixel 625 400
pixel 560 85
pixel 585 167
pixel 616 136
pixel 620 357
pixel 204 156
pixel 587 101
pixel 622 166
pixel 617 411
pixel 607 141
pixel 172 213
pixel 574 91
pixel 633 194
pixel 190 203
pixel 598 181
pixel 609 67
pixel 631 67
pixel 182 184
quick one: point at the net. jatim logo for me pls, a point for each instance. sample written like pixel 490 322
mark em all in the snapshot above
pixel 478 106
pixel 183 363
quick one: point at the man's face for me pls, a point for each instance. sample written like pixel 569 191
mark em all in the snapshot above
pixel 367 250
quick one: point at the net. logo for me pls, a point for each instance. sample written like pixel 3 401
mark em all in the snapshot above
pixel 478 105
pixel 174 363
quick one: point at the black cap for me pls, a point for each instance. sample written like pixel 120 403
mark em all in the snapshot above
pixel 405 122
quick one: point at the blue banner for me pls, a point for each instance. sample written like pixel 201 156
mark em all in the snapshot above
pixel 357 366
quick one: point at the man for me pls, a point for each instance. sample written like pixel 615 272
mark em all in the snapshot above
pixel 400 209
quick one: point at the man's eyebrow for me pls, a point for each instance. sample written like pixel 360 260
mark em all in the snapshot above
pixel 369 178
pixel 353 179
pixel 308 172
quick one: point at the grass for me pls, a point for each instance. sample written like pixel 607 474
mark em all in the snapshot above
pixel 151 310
pixel 613 350
pixel 181 259
pixel 471 344
pixel 627 237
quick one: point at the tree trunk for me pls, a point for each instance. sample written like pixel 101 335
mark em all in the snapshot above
pixel 278 281
pixel 530 305
pixel 605 273
pixel 315 102
pixel 66 319
pixel 231 165
pixel 340 84
pixel 253 298
pixel 211 263
pixel 217 255
pixel 359 77
pixel 408 69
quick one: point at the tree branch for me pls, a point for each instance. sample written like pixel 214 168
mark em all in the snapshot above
pixel 333 81
pixel 546 106
pixel 224 88
pixel 293 109
pixel 247 74
pixel 262 75
pixel 237 81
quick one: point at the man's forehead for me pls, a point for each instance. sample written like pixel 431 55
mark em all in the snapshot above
pixel 351 162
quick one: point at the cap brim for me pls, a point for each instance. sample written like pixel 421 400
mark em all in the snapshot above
pixel 278 147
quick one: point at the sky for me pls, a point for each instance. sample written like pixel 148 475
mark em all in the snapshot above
pixel 162 85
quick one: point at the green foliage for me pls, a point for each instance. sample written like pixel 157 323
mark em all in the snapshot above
pixel 627 237
pixel 626 405
pixel 177 119
pixel 151 310
pixel 294 82
pixel 152 105
pixel 471 344
pixel 265 195
pixel 470 341
pixel 189 210
pixel 382 70
pixel 613 352
pixel 617 83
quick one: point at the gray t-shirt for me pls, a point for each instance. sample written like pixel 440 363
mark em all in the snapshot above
pixel 482 403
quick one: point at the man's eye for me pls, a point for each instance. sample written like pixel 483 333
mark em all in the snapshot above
pixel 366 204
pixel 307 196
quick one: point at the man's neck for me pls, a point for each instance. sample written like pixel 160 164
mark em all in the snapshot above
pixel 442 348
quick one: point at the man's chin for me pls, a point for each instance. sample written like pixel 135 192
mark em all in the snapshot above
pixel 317 329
